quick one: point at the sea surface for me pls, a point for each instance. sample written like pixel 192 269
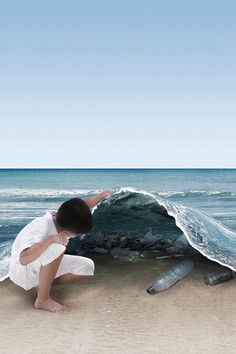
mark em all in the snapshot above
pixel 159 210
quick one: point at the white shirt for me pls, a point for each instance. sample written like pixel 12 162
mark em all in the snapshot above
pixel 33 233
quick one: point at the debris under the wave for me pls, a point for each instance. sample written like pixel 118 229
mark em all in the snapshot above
pixel 124 254
pixel 170 256
pixel 100 250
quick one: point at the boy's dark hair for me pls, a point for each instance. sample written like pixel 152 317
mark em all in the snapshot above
pixel 75 216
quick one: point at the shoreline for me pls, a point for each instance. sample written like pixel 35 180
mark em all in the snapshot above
pixel 113 313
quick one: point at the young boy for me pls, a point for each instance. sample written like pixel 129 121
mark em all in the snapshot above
pixel 37 254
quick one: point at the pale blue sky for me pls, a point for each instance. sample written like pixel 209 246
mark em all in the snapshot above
pixel 117 83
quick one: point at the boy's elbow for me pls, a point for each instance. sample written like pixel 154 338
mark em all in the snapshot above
pixel 23 261
pixel 23 258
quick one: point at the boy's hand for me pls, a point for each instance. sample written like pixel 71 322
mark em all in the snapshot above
pixel 61 237
pixel 91 202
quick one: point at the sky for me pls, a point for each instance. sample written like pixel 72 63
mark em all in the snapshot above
pixel 117 84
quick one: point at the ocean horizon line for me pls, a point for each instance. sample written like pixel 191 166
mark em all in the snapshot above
pixel 116 168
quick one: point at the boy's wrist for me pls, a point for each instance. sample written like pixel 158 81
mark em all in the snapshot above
pixel 106 193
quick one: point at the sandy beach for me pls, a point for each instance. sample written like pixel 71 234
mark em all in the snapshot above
pixel 113 313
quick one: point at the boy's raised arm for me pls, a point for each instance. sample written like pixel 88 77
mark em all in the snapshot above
pixel 91 202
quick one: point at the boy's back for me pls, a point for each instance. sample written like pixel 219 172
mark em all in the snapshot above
pixel 33 233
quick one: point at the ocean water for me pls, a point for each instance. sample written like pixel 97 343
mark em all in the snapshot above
pixel 159 210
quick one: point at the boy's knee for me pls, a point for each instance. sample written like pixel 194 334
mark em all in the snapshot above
pixel 90 266
pixel 52 252
pixel 84 267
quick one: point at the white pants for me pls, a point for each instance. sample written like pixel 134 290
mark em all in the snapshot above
pixel 27 276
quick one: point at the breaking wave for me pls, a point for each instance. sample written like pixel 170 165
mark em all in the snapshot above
pixel 53 193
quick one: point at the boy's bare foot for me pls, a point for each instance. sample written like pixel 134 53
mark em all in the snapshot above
pixel 48 305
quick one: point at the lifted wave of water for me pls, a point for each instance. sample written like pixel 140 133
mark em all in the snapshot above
pixel 139 220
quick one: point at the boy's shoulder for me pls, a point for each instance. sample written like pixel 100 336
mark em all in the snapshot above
pixel 40 223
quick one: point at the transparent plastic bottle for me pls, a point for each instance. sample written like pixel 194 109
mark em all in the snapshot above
pixel 218 276
pixel 170 276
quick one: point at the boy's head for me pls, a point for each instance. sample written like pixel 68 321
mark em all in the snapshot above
pixel 75 216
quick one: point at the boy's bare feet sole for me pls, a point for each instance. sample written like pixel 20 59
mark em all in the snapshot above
pixel 48 305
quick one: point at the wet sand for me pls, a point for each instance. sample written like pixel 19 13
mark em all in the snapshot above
pixel 113 313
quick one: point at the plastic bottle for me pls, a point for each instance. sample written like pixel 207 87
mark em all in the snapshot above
pixel 169 277
pixel 218 276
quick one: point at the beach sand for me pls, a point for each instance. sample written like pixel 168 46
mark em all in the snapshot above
pixel 113 313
